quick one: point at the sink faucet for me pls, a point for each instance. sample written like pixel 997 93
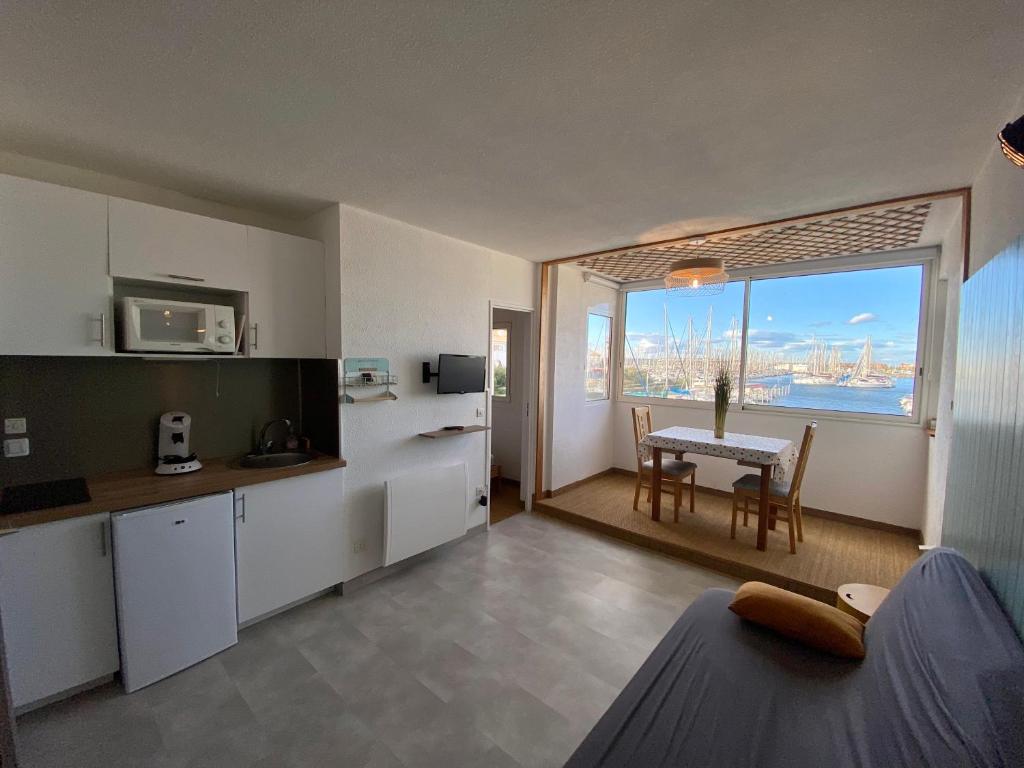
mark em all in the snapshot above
pixel 264 445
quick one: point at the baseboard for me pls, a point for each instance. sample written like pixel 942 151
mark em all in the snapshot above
pixel 863 522
pixel 288 607
pixel 368 578
pixel 66 694
pixel 578 483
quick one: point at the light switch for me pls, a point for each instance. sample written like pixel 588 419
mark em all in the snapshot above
pixel 16 446
pixel 15 426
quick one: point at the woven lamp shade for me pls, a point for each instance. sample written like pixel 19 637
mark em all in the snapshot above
pixel 697 277
pixel 1011 140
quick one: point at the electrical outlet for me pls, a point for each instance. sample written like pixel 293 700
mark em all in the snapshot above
pixel 18 426
pixel 359 546
pixel 479 411
pixel 17 446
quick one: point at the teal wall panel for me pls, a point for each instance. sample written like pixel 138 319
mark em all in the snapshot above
pixel 984 512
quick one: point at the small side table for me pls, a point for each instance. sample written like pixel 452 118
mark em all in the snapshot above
pixel 860 600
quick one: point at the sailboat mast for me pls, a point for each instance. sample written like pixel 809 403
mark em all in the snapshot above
pixel 707 347
pixel 665 349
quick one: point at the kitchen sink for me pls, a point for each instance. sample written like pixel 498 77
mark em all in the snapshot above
pixel 274 460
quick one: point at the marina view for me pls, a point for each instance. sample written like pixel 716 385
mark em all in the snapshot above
pixel 816 345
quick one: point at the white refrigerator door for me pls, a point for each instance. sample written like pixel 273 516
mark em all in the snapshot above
pixel 174 573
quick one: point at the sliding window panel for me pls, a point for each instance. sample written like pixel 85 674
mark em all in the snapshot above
pixel 674 345
pixel 845 342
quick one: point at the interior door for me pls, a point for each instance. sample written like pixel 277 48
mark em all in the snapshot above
pixel 55 291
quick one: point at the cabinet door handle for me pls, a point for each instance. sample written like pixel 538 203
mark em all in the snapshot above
pixel 255 335
pixel 102 320
pixel 241 498
pixel 103 538
pixel 188 277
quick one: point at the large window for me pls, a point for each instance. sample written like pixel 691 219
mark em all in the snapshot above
pixel 599 355
pixel 674 345
pixel 500 337
pixel 838 341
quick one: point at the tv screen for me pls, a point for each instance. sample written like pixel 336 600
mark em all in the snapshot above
pixel 459 374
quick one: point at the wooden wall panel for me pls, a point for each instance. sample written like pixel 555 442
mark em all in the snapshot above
pixel 984 513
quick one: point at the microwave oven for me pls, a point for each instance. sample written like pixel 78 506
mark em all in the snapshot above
pixel 159 325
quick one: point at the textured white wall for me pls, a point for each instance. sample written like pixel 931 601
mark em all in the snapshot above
pixel 940 446
pixel 582 432
pixel 408 295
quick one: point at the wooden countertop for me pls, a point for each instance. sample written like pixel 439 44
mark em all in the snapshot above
pixel 142 488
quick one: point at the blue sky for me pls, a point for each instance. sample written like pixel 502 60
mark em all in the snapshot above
pixel 838 308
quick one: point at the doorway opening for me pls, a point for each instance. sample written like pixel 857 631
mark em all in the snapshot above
pixel 511 386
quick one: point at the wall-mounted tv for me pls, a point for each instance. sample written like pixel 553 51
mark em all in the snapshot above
pixel 459 374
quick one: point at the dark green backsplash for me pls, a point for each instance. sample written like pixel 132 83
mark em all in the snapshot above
pixel 92 415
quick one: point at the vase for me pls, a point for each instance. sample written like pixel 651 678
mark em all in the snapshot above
pixel 721 409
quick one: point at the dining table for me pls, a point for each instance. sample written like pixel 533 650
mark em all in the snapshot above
pixel 772 455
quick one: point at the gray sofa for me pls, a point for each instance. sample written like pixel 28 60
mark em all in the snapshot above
pixel 942 685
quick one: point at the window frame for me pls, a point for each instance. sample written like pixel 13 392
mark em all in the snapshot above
pixel 507 327
pixel 926 257
pixel 610 377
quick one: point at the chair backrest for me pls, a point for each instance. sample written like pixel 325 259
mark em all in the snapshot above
pixel 801 461
pixel 641 428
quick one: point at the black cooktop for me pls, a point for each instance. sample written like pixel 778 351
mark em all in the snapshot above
pixel 55 493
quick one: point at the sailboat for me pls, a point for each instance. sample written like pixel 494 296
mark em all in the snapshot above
pixel 820 366
pixel 862 377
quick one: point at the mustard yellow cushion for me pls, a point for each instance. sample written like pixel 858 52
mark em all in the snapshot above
pixel 800 618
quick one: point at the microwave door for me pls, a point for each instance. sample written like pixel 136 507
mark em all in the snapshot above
pixel 169 327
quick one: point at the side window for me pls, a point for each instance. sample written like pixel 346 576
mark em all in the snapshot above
pixel 599 355
pixel 500 359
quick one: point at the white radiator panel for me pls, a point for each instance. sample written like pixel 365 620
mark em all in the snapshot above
pixel 425 509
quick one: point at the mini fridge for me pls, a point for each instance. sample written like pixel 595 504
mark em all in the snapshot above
pixel 174 575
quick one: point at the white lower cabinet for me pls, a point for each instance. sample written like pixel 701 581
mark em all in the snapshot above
pixel 289 538
pixel 57 602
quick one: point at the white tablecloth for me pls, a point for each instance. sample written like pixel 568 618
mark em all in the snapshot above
pixel 755 449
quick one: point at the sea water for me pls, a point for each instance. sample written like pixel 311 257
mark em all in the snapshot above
pixel 828 397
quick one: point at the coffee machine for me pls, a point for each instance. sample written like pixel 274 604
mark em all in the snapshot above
pixel 173 456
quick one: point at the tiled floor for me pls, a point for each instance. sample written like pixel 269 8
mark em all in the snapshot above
pixel 502 650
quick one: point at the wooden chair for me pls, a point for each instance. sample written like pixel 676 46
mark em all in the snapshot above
pixel 782 495
pixel 673 470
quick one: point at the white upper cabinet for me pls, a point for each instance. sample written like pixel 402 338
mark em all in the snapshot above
pixel 54 287
pixel 286 295
pixel 152 243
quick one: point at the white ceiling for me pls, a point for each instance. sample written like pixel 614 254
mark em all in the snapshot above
pixel 544 129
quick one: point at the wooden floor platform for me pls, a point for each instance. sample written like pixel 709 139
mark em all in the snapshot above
pixel 832 553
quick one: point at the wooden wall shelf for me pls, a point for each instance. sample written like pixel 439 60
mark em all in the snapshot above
pixel 453 432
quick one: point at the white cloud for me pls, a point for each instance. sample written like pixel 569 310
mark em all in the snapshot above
pixel 863 317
